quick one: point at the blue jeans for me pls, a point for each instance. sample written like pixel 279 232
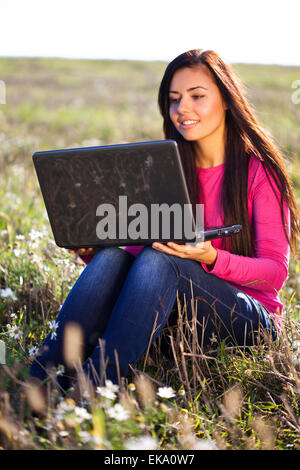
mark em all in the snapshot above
pixel 117 298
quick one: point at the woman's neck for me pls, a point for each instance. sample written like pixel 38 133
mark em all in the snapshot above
pixel 210 151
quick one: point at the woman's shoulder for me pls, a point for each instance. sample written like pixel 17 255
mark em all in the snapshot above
pixel 259 175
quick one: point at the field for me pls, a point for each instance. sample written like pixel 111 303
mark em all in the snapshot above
pixel 229 399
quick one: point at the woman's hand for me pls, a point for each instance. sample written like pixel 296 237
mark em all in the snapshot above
pixel 84 251
pixel 203 252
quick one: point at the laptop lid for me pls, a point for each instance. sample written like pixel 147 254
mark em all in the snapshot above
pixel 126 194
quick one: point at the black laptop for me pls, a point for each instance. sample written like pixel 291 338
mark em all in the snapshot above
pixel 126 194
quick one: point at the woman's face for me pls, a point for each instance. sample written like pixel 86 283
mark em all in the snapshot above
pixel 196 108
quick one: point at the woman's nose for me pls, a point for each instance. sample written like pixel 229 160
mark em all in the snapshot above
pixel 183 105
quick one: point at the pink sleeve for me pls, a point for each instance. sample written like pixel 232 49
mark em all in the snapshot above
pixel 268 268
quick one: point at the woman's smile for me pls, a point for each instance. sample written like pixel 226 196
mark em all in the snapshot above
pixel 188 124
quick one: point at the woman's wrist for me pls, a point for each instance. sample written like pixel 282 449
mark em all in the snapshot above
pixel 213 254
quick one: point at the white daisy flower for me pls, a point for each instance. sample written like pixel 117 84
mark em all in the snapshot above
pixel 118 412
pixel 82 414
pixel 109 391
pixel 33 351
pixel 166 392
pixel 60 369
pixel 15 332
pixel 5 293
pixel 53 327
pixel 142 443
pixel 85 436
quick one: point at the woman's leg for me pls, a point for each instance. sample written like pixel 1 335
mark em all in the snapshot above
pixel 89 303
pixel 147 299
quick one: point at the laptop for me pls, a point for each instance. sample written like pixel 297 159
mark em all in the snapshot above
pixel 125 194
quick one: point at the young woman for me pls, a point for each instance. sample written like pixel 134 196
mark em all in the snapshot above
pixel 125 297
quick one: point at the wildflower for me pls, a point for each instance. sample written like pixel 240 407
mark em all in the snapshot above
pixel 85 436
pixel 142 443
pixel 60 370
pixel 109 391
pixel 5 293
pixel 82 414
pixel 118 412
pixel 53 327
pixel 213 338
pixel 66 406
pixel 63 433
pixel 20 237
pixel 131 387
pixel 166 392
pixel 15 332
pixel 13 316
pixel 33 351
pixel 204 444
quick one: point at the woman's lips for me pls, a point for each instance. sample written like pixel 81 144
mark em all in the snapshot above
pixel 188 124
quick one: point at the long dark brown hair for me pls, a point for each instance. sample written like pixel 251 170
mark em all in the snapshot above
pixel 244 136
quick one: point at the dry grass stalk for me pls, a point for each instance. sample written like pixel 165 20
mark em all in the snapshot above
pixel 265 433
pixel 36 398
pixel 145 390
pixel 73 345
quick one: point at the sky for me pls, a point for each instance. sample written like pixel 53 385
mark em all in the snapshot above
pixel 253 31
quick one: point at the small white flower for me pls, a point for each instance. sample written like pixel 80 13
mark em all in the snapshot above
pixel 118 412
pixel 60 370
pixel 5 293
pixel 13 316
pixel 65 406
pixel 142 443
pixel 33 351
pixel 15 332
pixel 17 252
pixel 109 391
pixel 85 436
pixel 20 237
pixel 104 392
pixel 35 234
pixel 63 433
pixel 82 414
pixel 53 327
pixel 204 444
pixel 166 392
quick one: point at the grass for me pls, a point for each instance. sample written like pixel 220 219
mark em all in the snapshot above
pixel 225 398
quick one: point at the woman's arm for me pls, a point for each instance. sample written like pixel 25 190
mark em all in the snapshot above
pixel 268 269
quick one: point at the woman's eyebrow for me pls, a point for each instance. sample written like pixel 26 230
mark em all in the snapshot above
pixel 189 89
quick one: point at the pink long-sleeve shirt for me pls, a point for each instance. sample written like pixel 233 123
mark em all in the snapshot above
pixel 263 275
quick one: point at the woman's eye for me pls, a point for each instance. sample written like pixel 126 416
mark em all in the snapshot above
pixel 173 100
pixel 198 96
